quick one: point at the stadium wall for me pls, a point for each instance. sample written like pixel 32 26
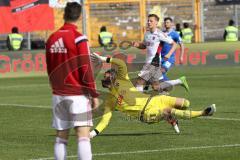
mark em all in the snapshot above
pixel 126 19
pixel 216 17
pixel 33 63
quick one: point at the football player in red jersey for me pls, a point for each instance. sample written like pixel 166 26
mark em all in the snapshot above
pixel 73 86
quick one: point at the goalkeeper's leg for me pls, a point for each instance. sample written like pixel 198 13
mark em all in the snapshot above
pixel 188 114
pixel 140 84
pixel 173 102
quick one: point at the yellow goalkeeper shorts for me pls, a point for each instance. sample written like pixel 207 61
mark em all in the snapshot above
pixel 154 109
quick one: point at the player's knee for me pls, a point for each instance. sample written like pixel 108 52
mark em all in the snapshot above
pixel 156 86
pixel 167 112
pixel 61 140
pixel 186 103
pixel 63 134
pixel 140 81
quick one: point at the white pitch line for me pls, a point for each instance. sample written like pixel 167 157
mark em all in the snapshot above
pixel 25 106
pixel 219 118
pixel 151 151
pixel 49 107
pixel 21 86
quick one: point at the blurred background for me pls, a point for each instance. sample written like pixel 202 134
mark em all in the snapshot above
pixel 211 65
pixel 126 19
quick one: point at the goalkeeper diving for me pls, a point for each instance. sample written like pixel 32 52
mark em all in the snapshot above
pixel 147 108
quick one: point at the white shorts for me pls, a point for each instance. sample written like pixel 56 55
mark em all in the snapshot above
pixel 71 111
pixel 150 73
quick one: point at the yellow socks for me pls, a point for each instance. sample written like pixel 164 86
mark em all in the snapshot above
pixel 186 114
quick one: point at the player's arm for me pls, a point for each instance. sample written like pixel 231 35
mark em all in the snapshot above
pixel 181 45
pixel 9 43
pixel 108 108
pixel 225 34
pixel 181 34
pixel 100 40
pixel 169 40
pixel 139 45
pixel 181 52
pixel 86 68
pixel 122 68
pixel 172 50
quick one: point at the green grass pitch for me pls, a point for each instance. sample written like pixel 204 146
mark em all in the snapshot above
pixel 26 133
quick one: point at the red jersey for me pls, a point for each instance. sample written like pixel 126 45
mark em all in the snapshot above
pixel 68 63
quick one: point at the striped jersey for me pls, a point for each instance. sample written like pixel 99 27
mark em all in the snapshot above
pixel 152 41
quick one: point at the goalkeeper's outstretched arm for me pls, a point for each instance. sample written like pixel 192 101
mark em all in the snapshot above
pixel 121 65
pixel 108 108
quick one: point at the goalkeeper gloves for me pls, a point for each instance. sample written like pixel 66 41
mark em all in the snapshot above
pixel 96 56
pixel 94 133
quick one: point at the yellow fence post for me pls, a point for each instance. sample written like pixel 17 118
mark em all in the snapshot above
pixel 142 8
pixel 197 16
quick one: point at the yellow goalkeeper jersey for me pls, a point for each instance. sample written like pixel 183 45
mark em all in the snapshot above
pixel 124 96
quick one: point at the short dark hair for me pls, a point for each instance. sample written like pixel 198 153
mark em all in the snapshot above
pixel 103 29
pixel 178 26
pixel 153 15
pixel 111 71
pixel 14 30
pixel 168 18
pixel 185 25
pixel 72 11
pixel 113 74
pixel 231 22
